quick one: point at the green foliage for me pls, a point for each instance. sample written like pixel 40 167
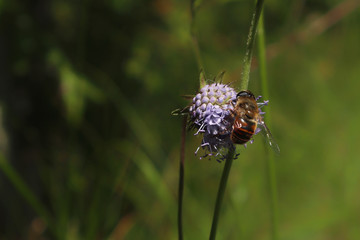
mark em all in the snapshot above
pixel 86 93
pixel 76 90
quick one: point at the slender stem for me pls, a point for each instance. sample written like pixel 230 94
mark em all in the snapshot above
pixel 262 60
pixel 197 53
pixel 25 191
pixel 271 167
pixel 249 45
pixel 221 191
pixel 181 177
pixel 194 38
pixel 243 86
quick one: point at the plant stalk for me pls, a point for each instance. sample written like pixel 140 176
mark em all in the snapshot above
pixel 243 86
pixel 250 45
pixel 181 178
pixel 221 191
pixel 25 192
pixel 270 161
pixel 193 32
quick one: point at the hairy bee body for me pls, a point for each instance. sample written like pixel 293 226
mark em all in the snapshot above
pixel 243 132
pixel 246 116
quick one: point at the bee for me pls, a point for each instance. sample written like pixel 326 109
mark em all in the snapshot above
pixel 247 118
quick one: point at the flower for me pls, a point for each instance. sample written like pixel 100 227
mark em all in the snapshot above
pixel 210 113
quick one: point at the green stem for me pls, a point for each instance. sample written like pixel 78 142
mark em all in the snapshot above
pixel 194 6
pixel 25 191
pixel 221 191
pixel 262 59
pixel 197 53
pixel 181 178
pixel 250 45
pixel 271 167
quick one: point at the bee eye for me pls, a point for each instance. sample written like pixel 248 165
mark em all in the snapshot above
pixel 245 94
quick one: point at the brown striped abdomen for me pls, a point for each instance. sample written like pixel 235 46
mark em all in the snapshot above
pixel 243 130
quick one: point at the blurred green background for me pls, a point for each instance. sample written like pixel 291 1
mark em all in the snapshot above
pixel 86 92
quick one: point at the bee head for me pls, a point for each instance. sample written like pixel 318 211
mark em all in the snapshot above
pixel 245 94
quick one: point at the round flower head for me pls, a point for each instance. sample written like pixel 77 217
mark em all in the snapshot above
pixel 210 115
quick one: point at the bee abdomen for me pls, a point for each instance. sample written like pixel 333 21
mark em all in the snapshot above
pixel 244 133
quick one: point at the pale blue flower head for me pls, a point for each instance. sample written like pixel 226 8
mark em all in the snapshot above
pixel 210 115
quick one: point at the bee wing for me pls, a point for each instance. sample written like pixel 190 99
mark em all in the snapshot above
pixel 269 138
